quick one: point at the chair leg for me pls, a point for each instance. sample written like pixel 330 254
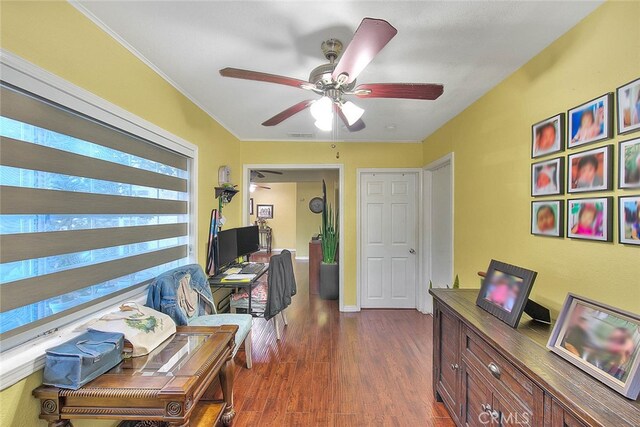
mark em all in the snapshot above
pixel 275 323
pixel 247 350
pixel 284 318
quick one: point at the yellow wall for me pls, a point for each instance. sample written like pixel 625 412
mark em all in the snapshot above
pixel 491 141
pixel 307 222
pixel 352 156
pixel 58 38
pixel 283 225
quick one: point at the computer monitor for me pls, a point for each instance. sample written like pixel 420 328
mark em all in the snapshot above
pixel 248 240
pixel 227 247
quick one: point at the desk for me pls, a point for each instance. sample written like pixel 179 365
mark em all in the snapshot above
pixel 166 385
pixel 216 282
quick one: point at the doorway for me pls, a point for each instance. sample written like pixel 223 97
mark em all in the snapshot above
pixel 286 191
pixel 388 237
pixel 438 228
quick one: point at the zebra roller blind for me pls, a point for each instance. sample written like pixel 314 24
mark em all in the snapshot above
pixel 87 212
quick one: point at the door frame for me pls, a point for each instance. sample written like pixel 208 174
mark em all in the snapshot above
pixel 419 192
pixel 246 179
pixel 426 303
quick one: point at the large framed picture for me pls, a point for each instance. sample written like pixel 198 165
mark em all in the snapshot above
pixel 547 178
pixel 547 136
pixel 601 340
pixel 547 218
pixel 505 291
pixel 629 107
pixel 590 170
pixel 590 219
pixel 629 225
pixel 264 211
pixel 629 164
pixel 591 122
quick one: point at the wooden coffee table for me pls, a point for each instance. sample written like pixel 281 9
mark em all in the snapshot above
pixel 175 383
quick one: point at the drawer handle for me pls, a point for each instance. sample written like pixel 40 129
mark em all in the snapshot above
pixel 494 369
pixel 455 366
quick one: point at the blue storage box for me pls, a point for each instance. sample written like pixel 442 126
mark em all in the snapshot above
pixel 82 359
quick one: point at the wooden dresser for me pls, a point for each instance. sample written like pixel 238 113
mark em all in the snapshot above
pixel 488 373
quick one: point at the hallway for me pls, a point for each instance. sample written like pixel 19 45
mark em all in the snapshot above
pixel 339 369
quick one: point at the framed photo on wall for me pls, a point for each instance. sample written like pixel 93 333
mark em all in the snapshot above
pixel 547 177
pixel 590 219
pixel 629 224
pixel 265 211
pixel 251 206
pixel 547 136
pixel 628 97
pixel 629 164
pixel 590 170
pixel 601 340
pixel 505 291
pixel 547 218
pixel 591 121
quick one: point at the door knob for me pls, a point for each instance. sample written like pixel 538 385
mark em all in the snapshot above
pixel 412 251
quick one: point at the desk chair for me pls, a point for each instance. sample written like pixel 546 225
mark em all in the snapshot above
pixel 272 298
pixel 164 295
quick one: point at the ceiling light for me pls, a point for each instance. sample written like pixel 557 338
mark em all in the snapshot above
pixel 322 109
pixel 325 125
pixel 352 112
pixel 252 187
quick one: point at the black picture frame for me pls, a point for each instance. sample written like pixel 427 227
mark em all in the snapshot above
pixel 565 341
pixel 251 206
pixel 607 170
pixel 606 223
pixel 558 122
pixel 516 276
pixel 264 211
pixel 633 127
pixel 622 163
pixel 557 180
pixel 624 214
pixel 557 207
pixel 607 120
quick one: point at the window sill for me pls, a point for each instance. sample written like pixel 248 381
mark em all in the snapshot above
pixel 25 359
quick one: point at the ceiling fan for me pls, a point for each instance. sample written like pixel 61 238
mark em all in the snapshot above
pixel 260 174
pixel 335 80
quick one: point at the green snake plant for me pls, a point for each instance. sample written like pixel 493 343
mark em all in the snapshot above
pixel 328 230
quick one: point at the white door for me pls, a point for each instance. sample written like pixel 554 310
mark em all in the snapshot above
pixel 389 239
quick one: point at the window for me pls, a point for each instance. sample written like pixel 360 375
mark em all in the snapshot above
pixel 87 212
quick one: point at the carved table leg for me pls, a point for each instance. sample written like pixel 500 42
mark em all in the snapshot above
pixel 226 381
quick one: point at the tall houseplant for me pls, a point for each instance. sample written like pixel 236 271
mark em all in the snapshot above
pixel 329 271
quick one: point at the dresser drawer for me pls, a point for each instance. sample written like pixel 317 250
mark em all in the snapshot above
pixel 500 373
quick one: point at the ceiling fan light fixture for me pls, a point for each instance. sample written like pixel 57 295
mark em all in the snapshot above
pixel 322 109
pixel 252 187
pixel 351 111
pixel 325 125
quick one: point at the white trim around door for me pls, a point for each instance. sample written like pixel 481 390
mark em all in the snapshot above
pixel 425 304
pixel 246 179
pixel 419 183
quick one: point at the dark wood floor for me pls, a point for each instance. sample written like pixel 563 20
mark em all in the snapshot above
pixel 339 369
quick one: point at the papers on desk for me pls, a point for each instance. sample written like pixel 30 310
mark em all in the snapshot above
pixel 238 278
pixel 234 270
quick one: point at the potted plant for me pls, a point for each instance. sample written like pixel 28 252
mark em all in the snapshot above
pixel 329 271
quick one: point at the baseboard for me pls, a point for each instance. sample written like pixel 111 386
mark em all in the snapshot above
pixel 282 249
pixel 350 309
pixel 302 258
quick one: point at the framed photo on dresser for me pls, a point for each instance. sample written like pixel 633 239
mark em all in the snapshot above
pixel 505 291
pixel 601 340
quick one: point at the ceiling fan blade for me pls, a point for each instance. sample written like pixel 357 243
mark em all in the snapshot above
pixel 237 73
pixel 369 39
pixel 357 126
pixel 273 172
pixel 265 187
pixel 288 113
pixel 427 91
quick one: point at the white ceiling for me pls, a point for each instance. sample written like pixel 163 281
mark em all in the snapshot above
pixel 467 46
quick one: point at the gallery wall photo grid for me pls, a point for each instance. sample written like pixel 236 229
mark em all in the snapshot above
pixel 590 122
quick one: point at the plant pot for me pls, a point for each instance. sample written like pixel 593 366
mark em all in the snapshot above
pixel 329 280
